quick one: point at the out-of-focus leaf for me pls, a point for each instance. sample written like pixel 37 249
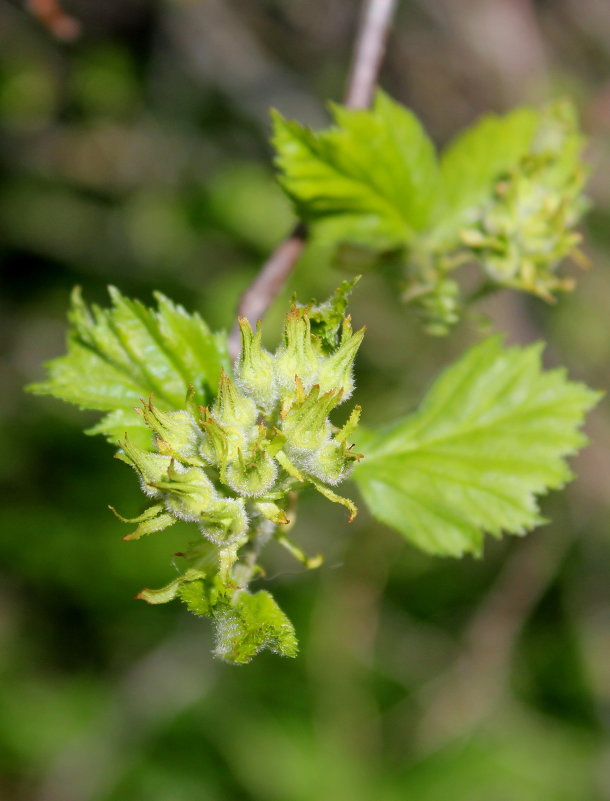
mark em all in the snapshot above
pixel 478 157
pixel 371 179
pixel 524 226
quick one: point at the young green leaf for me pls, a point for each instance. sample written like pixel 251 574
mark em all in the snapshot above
pixel 371 180
pixel 506 194
pixel 118 424
pixel 118 356
pixel 171 590
pixel 251 624
pixel 490 436
pixel 478 157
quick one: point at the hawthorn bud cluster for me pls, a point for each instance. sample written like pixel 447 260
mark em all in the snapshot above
pixel 519 230
pixel 233 465
pixel 528 225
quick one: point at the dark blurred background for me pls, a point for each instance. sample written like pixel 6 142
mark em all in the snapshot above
pixel 134 152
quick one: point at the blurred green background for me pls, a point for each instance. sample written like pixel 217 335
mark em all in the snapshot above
pixel 136 154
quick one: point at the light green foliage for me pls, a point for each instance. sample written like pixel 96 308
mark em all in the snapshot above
pixel 371 179
pixel 118 356
pixel 326 319
pixel 491 435
pixel 505 194
pixel 228 449
pixel 195 595
pixel 527 227
pixel 250 624
pixel 476 158
pixel 233 465
pixel 174 589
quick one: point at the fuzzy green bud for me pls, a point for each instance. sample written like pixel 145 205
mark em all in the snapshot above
pixel 231 407
pixel 336 371
pixel 297 355
pixel 177 429
pixel 225 521
pixel 254 368
pixel 252 473
pixel 150 467
pixel 333 462
pixel 215 445
pixel 234 469
pixel 188 493
pixel 526 232
pixel 306 425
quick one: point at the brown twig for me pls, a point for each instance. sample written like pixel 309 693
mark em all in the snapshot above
pixel 368 53
pixel 268 283
pixel 50 14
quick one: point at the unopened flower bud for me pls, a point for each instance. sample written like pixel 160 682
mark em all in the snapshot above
pixel 306 425
pixel 251 474
pixel 231 407
pixel 333 462
pixel 225 522
pixel 215 445
pixel 177 429
pixel 151 467
pixel 254 368
pixel 336 371
pixel 188 493
pixel 297 355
